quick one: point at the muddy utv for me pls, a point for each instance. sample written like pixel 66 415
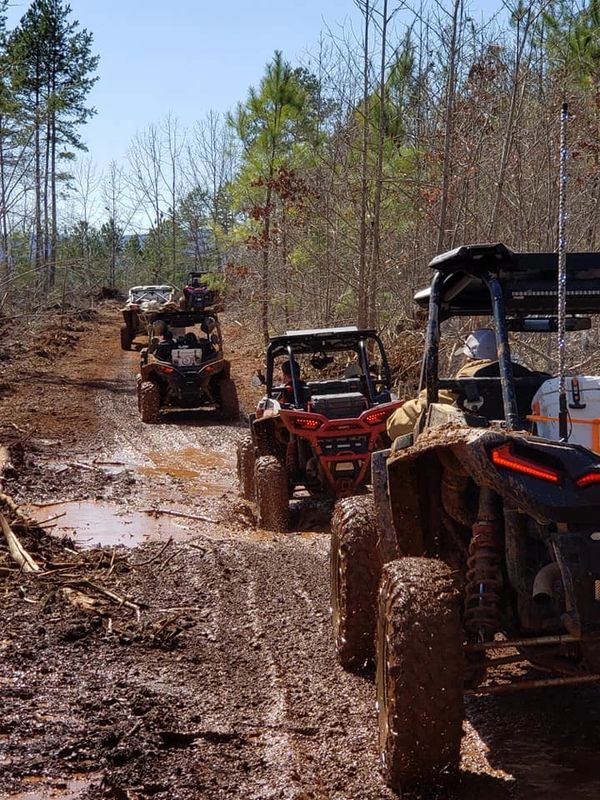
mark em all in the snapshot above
pixel 318 431
pixel 142 301
pixel 481 544
pixel 183 367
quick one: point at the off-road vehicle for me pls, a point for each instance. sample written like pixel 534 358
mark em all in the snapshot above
pixel 197 294
pixel 184 367
pixel 143 301
pixel 319 430
pixel 481 543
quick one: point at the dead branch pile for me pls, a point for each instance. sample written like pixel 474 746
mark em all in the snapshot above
pixel 47 572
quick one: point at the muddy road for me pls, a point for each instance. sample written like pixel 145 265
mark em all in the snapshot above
pixel 216 678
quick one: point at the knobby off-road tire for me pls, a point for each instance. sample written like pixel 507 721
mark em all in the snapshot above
pixel 355 570
pixel 149 402
pixel 230 406
pixel 270 480
pixel 125 338
pixel 419 673
pixel 245 467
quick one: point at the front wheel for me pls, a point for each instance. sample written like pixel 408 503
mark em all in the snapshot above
pixel 270 480
pixel 355 569
pixel 419 673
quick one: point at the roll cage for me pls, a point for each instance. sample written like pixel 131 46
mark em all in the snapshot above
pixel 327 340
pixel 491 280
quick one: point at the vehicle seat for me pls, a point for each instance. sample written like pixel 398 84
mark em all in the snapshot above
pixel 491 394
pixel 163 350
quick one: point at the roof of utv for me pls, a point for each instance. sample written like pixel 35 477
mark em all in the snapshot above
pixel 319 339
pixel 529 281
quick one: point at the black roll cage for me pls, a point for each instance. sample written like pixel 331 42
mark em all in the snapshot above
pixel 430 376
pixel 312 343
pixel 492 280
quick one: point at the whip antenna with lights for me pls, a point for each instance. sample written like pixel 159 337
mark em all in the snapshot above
pixel 562 275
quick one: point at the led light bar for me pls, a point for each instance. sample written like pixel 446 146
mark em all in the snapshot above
pixel 504 456
pixel 588 479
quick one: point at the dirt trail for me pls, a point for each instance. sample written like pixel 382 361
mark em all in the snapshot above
pixel 246 701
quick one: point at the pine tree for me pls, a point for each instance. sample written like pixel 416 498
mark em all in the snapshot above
pixel 52 71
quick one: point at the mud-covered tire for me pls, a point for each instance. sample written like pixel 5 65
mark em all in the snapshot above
pixel 149 402
pixel 245 467
pixel 230 405
pixel 125 338
pixel 419 673
pixel 355 568
pixel 271 483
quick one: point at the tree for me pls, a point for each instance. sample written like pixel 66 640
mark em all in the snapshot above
pixel 268 124
pixel 52 74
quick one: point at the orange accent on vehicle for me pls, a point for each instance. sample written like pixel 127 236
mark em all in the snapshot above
pixel 595 423
pixel 504 456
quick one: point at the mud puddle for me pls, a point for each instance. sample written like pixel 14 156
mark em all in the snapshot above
pixel 93 524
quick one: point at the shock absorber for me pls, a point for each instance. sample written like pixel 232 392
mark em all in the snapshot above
pixel 483 611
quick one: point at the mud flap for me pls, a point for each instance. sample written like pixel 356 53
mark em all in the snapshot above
pixel 388 546
pixel 405 507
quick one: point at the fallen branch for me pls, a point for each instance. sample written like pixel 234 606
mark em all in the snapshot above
pixel 16 549
pixel 85 584
pixel 155 557
pixel 167 511
pixel 50 519
pixel 53 503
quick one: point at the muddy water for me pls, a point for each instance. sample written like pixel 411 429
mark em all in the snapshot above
pixel 202 470
pixel 92 524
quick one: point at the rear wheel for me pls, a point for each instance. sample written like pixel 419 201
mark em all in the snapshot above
pixel 149 402
pixel 125 338
pixel 270 480
pixel 419 673
pixel 230 406
pixel 245 467
pixel 355 569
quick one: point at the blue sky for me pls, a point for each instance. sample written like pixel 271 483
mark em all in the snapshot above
pixel 185 56
pixel 188 56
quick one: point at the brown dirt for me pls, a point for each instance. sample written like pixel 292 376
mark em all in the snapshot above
pixel 227 686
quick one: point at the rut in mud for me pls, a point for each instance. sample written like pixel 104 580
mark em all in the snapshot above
pixel 227 686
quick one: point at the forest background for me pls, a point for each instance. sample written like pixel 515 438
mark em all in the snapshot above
pixel 320 198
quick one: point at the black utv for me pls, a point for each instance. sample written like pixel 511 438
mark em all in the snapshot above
pixel 481 544
pixel 184 367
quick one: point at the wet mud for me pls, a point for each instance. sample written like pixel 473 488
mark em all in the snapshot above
pixel 212 674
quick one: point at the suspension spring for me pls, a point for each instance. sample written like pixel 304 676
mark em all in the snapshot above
pixel 483 612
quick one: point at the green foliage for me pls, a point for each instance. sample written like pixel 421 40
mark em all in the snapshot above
pixel 573 41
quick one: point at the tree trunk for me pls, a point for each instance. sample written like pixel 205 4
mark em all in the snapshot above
pixel 266 235
pixel 364 188
pixel 376 241
pixel 449 127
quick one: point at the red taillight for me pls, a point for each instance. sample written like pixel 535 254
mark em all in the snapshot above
pixel 168 370
pixel 503 456
pixel 307 423
pixel 588 479
pixel 377 416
